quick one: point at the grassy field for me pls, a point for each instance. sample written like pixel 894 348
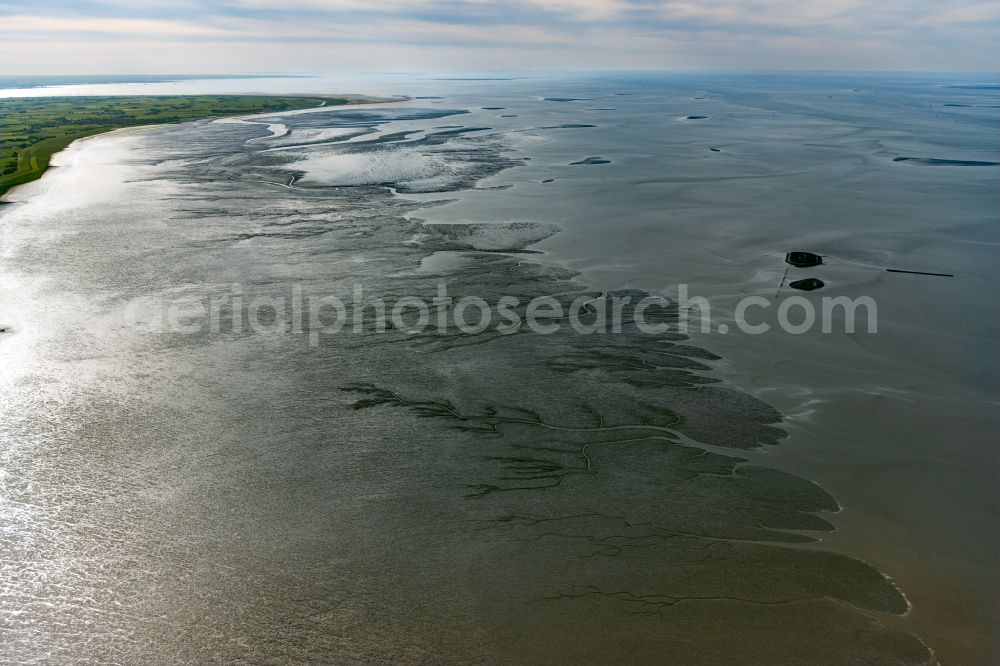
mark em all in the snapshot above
pixel 32 129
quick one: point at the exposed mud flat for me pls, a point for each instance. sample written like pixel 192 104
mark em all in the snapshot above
pixel 395 497
pixel 934 161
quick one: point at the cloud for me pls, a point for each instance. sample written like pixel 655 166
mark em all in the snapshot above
pixel 48 25
pixel 775 34
pixel 972 14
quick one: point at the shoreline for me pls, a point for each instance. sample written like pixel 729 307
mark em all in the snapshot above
pixel 821 447
pixel 40 153
pixel 565 410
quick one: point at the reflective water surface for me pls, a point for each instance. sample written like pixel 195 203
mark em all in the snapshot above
pixel 446 498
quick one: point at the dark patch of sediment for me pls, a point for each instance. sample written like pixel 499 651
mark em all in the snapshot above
pixel 808 284
pixel 932 161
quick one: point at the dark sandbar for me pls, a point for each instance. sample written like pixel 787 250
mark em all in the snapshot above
pixel 808 284
pixel 930 161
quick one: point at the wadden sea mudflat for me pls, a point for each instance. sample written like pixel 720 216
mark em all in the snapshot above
pixel 32 129
pixel 897 424
pixel 444 497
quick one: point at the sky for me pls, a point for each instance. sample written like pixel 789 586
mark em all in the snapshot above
pixel 313 36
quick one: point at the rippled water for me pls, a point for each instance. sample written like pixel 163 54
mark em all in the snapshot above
pixel 446 498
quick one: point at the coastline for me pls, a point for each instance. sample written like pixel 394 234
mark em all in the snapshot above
pixel 817 452
pixel 650 479
pixel 40 154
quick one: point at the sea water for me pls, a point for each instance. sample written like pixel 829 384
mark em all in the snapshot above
pixel 711 496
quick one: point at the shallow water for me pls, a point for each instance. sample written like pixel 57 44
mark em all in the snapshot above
pixel 523 498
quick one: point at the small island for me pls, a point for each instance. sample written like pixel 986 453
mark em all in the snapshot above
pixel 32 129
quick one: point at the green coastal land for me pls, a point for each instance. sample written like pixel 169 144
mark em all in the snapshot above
pixel 32 129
